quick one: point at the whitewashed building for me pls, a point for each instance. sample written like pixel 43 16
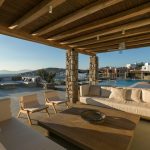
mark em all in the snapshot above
pixel 129 66
pixel 146 67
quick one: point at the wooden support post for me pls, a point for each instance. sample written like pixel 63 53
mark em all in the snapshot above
pixel 93 70
pixel 72 75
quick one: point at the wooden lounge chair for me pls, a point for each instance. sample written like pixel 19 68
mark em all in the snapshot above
pixel 52 99
pixel 29 104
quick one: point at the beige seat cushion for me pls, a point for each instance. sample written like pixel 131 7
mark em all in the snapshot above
pixel 146 95
pixel 105 92
pixel 117 94
pixel 36 108
pixel 94 90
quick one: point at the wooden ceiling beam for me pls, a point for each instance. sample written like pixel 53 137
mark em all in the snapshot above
pixel 128 33
pixel 83 12
pixel 132 25
pixel 1 2
pixel 128 14
pixel 127 48
pixel 117 41
pixel 36 12
pixel 28 37
pixel 115 46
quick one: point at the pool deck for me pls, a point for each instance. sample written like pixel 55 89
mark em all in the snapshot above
pixel 144 85
pixel 140 140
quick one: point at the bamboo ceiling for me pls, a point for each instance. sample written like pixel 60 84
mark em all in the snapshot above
pixel 88 26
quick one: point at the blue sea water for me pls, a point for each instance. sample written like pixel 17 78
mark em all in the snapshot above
pixel 119 83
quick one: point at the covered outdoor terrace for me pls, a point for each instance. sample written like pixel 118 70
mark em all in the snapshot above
pixel 80 26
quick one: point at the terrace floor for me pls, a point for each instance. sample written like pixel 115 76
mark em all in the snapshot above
pixel 140 140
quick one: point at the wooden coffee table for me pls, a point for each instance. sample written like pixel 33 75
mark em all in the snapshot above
pixel 115 133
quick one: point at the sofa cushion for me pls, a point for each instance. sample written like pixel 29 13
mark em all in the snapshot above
pixel 102 102
pixel 105 92
pixel 146 95
pixel 140 108
pixel 118 94
pixel 94 90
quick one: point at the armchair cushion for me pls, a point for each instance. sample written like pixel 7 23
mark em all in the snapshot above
pixel 36 108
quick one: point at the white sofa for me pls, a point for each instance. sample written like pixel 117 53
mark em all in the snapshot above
pixel 14 135
pixel 132 100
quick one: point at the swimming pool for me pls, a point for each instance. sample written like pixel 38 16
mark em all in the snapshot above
pixel 120 83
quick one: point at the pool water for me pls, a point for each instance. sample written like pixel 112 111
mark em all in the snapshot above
pixel 119 83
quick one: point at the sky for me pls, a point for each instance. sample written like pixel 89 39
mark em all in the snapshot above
pixel 17 54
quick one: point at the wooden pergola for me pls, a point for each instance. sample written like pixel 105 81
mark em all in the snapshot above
pixel 78 26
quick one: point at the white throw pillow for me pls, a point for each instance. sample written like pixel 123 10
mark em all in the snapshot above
pixel 94 90
pixel 118 94
pixel 136 95
pixel 133 94
pixel 105 92
pixel 146 95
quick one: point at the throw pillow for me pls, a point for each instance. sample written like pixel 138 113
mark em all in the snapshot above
pixel 105 92
pixel 136 95
pixel 94 90
pixel 146 95
pixel 118 94
pixel 128 94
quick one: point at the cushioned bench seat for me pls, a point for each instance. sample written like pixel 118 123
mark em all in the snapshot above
pixel 142 109
pixel 14 135
pixel 132 100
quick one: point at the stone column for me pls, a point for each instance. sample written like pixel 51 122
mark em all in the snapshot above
pixel 93 70
pixel 72 75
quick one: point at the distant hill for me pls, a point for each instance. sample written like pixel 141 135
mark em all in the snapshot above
pixel 53 70
pixel 13 72
pixel 34 72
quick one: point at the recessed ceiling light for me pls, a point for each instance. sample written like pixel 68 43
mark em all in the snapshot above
pixel 123 31
pixel 34 34
pixel 49 39
pixel 13 27
pixel 62 43
pixel 98 37
pixel 50 9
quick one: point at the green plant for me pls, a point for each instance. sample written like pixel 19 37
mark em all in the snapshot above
pixel 47 76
